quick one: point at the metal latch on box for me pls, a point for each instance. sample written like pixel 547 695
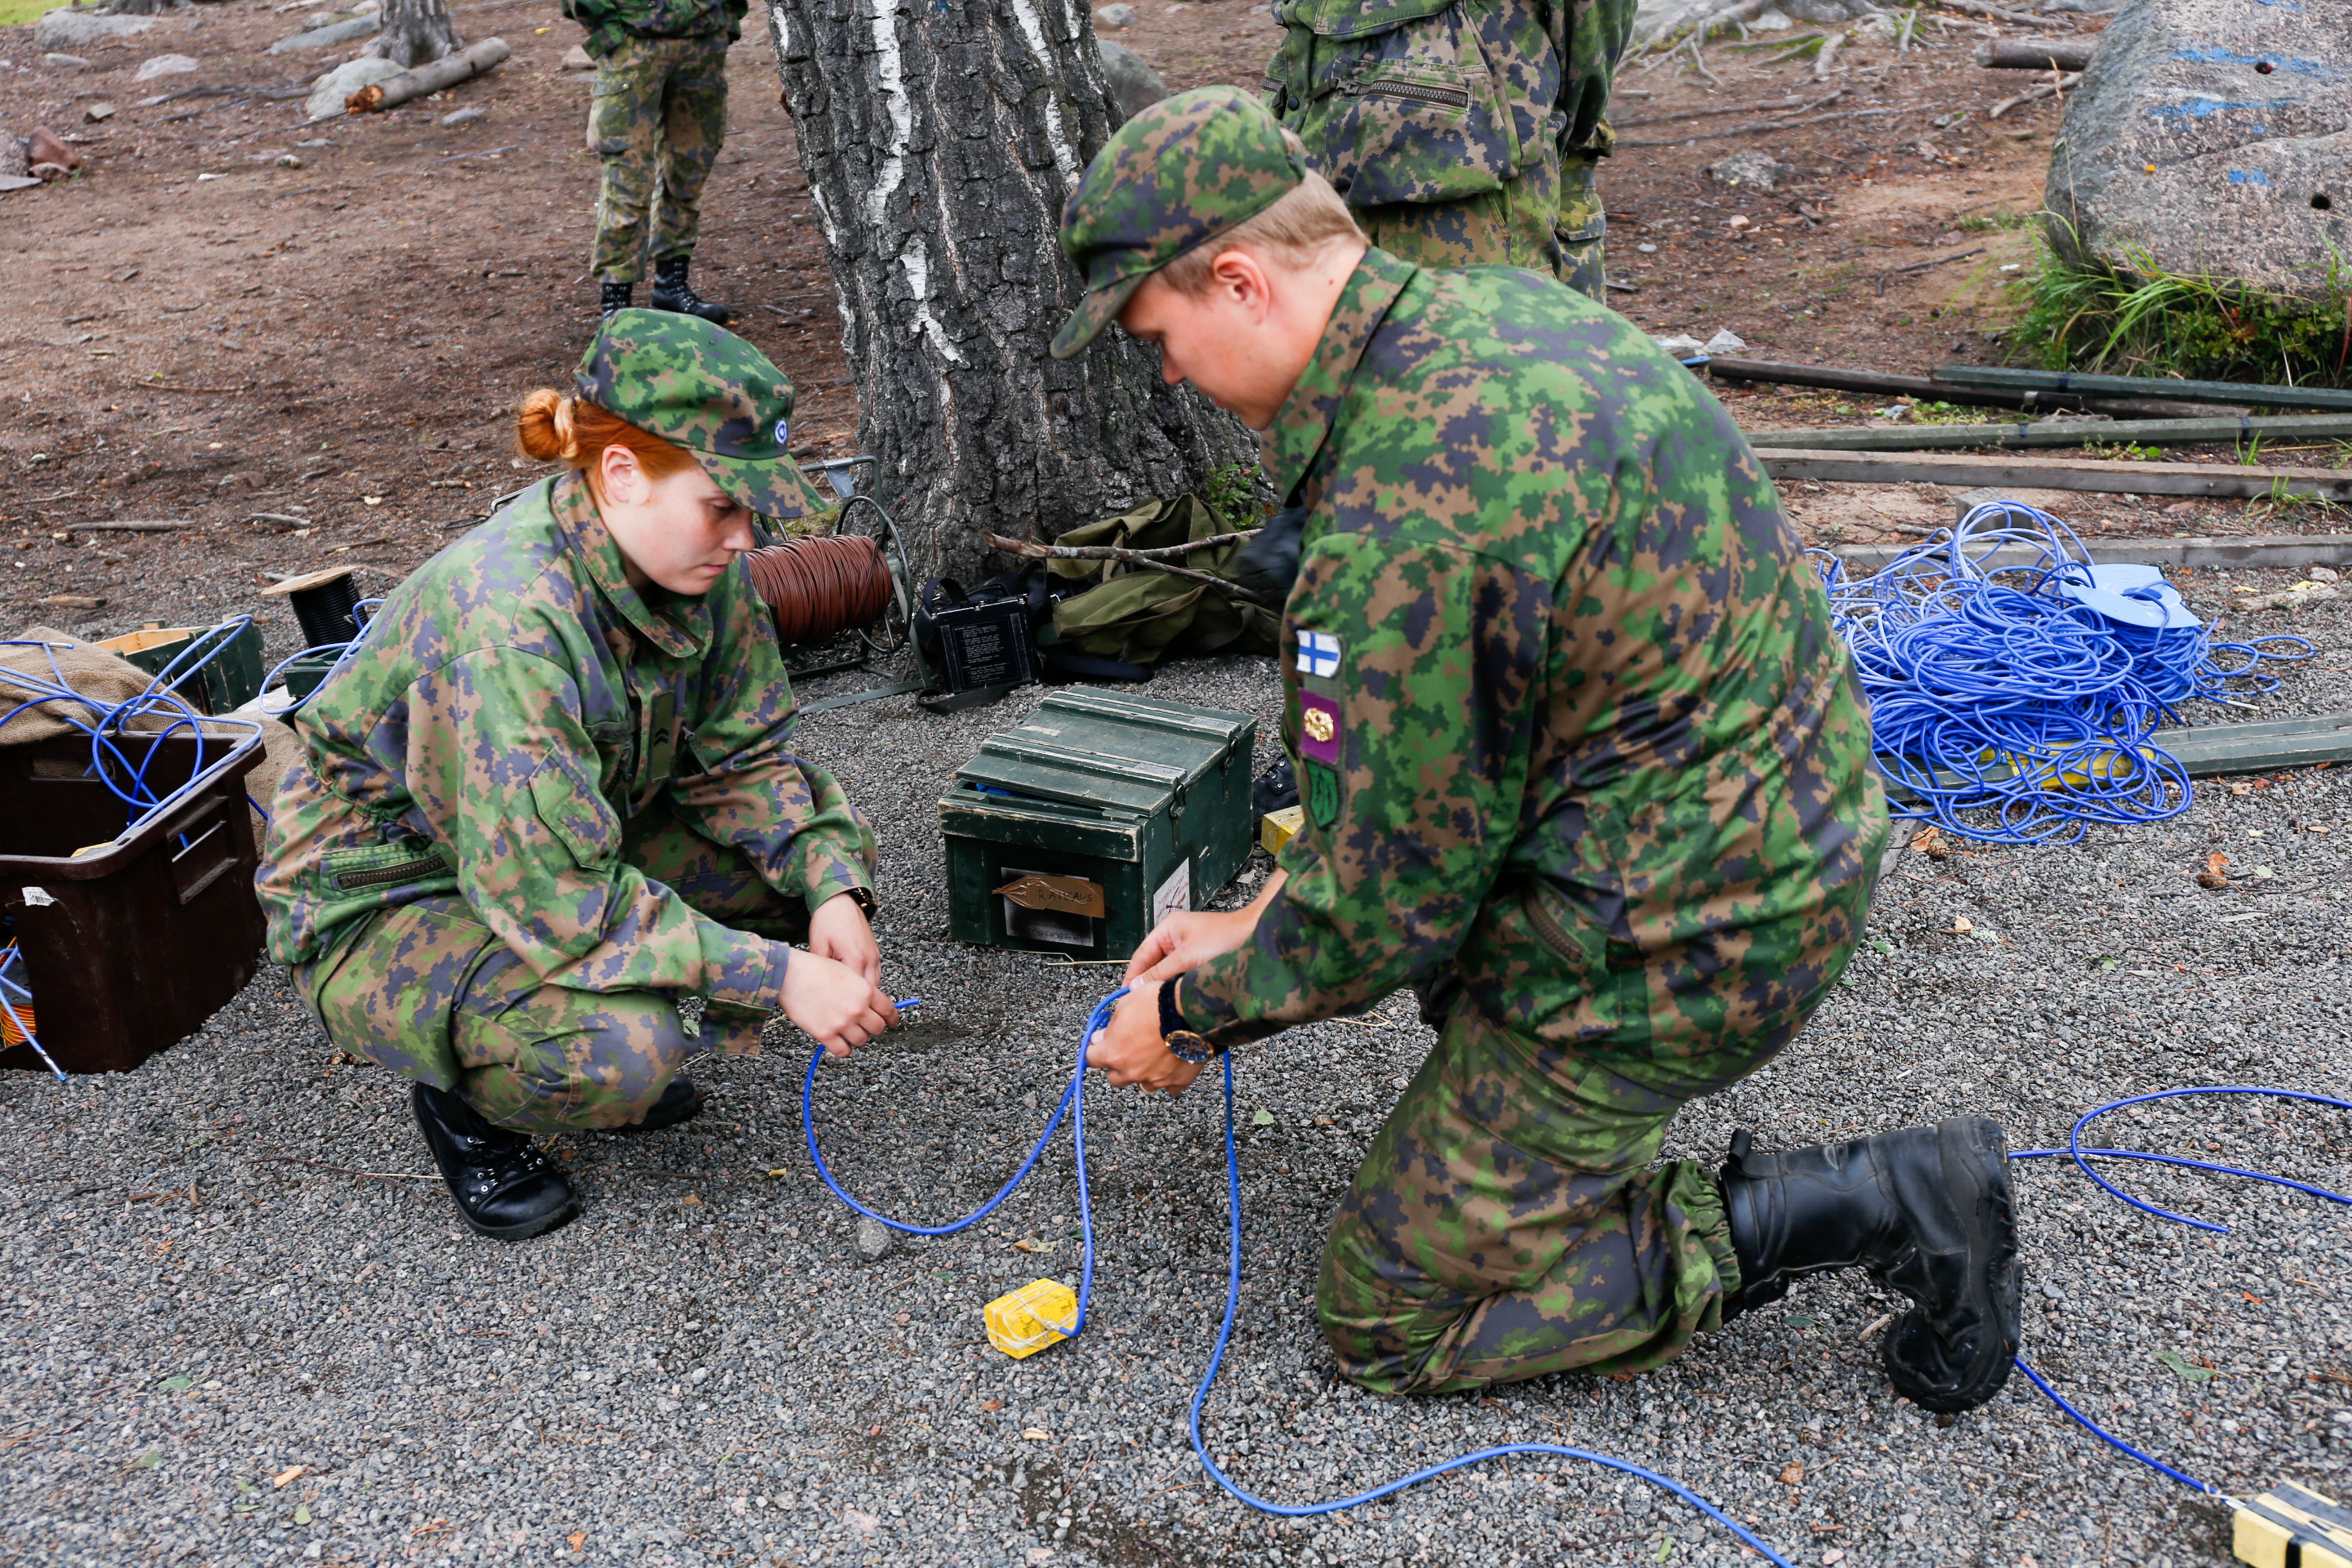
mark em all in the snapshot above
pixel 1060 895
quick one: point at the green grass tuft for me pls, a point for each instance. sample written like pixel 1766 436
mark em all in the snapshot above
pixel 2146 320
pixel 19 13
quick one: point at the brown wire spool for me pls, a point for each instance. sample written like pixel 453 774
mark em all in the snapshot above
pixel 819 588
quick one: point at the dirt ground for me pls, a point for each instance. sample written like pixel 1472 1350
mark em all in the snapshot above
pixel 304 341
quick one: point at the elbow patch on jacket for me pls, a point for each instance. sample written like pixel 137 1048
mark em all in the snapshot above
pixel 568 805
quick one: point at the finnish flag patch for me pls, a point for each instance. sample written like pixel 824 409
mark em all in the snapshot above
pixel 1318 654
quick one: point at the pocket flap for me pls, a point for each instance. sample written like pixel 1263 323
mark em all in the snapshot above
pixel 569 807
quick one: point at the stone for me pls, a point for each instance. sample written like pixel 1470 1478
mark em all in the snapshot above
pixel 873 1239
pixel 1773 21
pixel 2325 574
pixel 1134 86
pixel 1724 341
pixel 166 65
pixel 328 36
pixel 466 116
pixel 327 96
pixel 1877 29
pixel 1751 171
pixel 1115 16
pixel 46 146
pixel 97 111
pixel 2208 136
pixel 65 62
pixel 1825 12
pixel 71 30
pixel 13 162
pixel 577 58
pixel 1682 345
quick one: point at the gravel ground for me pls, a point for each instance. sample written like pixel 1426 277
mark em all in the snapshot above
pixel 222 1273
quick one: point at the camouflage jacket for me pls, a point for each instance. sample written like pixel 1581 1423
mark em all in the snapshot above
pixel 514 703
pixel 610 21
pixel 1435 100
pixel 1571 721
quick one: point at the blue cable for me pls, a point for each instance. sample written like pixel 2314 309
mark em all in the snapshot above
pixel 1073 1101
pixel 1990 689
pixel 2081 1157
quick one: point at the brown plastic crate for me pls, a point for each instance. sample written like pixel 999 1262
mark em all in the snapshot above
pixel 129 949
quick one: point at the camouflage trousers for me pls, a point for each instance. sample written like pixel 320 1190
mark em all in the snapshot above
pixel 657 119
pixel 429 991
pixel 1537 221
pixel 1507 1222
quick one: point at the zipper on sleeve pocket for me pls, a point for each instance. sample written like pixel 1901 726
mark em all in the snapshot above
pixel 1413 92
pixel 415 870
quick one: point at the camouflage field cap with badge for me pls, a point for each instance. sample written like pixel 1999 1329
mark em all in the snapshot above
pixel 701 387
pixel 1177 175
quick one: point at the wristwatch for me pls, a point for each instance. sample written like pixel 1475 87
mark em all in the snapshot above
pixel 863 898
pixel 1183 1043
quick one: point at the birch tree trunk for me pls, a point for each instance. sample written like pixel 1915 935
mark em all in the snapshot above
pixel 415 32
pixel 941 139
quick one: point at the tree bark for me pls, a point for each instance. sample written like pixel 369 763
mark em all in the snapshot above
pixel 940 140
pixel 415 31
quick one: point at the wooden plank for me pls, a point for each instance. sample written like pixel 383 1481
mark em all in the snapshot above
pixel 1971 471
pixel 2054 433
pixel 2296 549
pixel 2218 751
pixel 2146 386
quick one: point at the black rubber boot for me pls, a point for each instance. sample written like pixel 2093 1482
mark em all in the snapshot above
pixel 681 1101
pixel 673 292
pixel 1927 1211
pixel 618 297
pixel 503 1185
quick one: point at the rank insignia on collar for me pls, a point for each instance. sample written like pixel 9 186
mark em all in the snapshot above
pixel 1318 654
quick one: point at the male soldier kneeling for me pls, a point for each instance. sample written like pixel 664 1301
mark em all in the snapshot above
pixel 1582 759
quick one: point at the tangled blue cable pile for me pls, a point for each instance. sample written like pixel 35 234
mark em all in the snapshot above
pixel 1074 1106
pixel 126 739
pixel 2007 690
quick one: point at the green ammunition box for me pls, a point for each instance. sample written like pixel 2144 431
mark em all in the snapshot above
pixel 1076 833
pixel 231 677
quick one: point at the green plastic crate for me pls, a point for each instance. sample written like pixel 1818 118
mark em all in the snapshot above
pixel 1134 809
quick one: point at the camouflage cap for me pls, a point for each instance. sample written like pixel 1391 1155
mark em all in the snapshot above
pixel 707 390
pixel 1177 175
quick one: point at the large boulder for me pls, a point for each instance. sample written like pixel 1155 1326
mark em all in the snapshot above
pixel 71 29
pixel 1134 86
pixel 2210 136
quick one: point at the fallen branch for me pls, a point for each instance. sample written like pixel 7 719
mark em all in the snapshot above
pixel 1940 260
pixel 2003 13
pixel 2020 54
pixel 446 71
pixel 1752 127
pixel 2033 94
pixel 1785 103
pixel 1827 53
pixel 175 386
pixel 1147 559
pixel 147 525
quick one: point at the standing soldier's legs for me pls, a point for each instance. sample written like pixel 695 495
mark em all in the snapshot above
pixel 1582 227
pixel 1512 226
pixel 694 126
pixel 1506 1223
pixel 624 132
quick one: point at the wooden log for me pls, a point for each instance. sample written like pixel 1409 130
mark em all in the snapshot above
pixel 1878 383
pixel 2153 432
pixel 446 71
pixel 2159 387
pixel 1968 471
pixel 2027 55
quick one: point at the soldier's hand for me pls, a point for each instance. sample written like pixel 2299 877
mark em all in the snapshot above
pixel 1130 1050
pixel 839 931
pixel 833 1003
pixel 1187 940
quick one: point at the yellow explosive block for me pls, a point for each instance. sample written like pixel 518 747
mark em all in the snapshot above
pixel 1276 829
pixel 1021 1322
pixel 2292 1527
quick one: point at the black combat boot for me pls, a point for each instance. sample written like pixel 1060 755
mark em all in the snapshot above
pixel 503 1185
pixel 681 1101
pixel 1927 1211
pixel 618 297
pixel 672 292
